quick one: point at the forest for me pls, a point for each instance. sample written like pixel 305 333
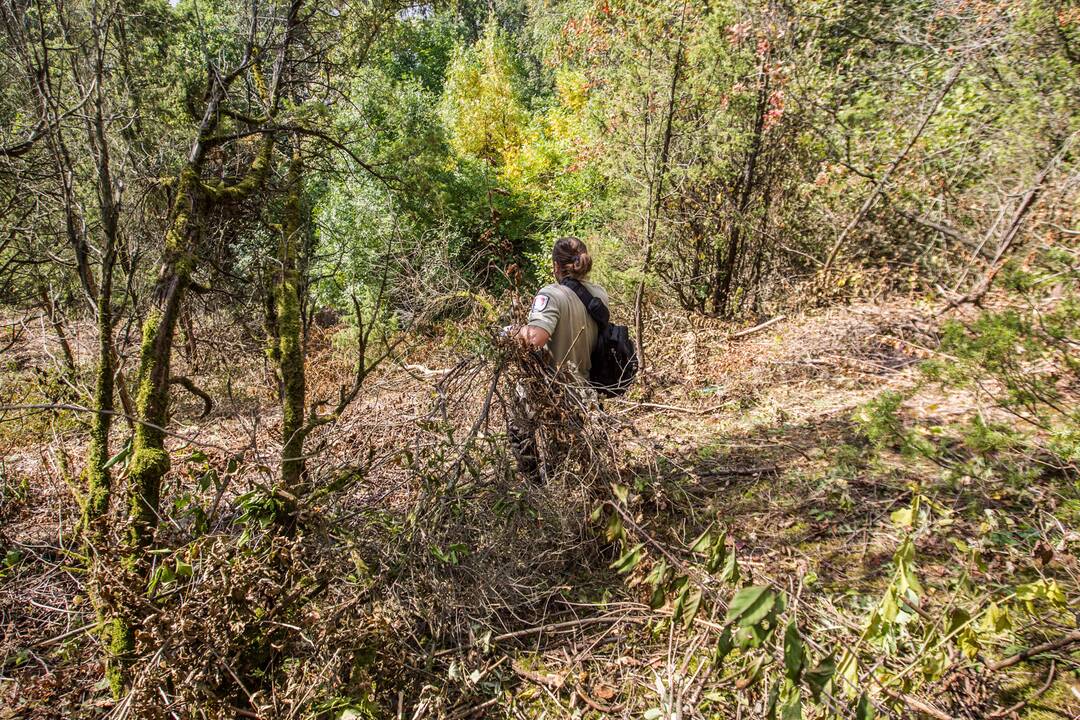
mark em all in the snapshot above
pixel 263 265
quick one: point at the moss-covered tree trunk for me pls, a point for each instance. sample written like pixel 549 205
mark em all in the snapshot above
pixel 150 459
pixel 290 340
pixel 98 480
pixel 191 205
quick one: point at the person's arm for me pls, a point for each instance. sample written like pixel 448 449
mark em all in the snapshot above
pixel 533 337
pixel 543 317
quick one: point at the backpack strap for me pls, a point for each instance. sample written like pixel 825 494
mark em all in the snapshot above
pixel 597 310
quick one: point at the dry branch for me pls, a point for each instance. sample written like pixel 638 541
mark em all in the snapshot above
pixel 756 328
pixel 1031 652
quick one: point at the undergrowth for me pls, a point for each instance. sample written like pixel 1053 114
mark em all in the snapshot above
pixel 911 554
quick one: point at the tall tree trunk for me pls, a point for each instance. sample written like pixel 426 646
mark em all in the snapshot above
pixel 98 480
pixel 191 204
pixel 290 339
pixel 149 460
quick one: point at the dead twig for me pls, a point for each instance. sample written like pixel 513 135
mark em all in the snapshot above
pixel 756 328
pixel 1031 652
pixel 554 681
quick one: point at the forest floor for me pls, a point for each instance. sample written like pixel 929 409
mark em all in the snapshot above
pixel 525 604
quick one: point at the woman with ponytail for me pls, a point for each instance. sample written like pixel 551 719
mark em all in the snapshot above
pixel 558 318
pixel 559 321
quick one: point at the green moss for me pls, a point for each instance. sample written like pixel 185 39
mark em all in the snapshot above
pixel 251 181
pixel 98 478
pixel 121 644
pixel 145 391
pixel 148 467
pixel 290 347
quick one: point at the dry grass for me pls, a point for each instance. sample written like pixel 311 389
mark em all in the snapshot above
pixel 434 582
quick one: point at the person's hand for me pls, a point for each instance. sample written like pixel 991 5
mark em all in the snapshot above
pixel 532 337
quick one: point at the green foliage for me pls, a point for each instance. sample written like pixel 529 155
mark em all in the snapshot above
pixel 878 420
pixel 481 103
pixel 258 512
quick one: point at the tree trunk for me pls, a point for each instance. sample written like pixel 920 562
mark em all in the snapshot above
pixel 193 199
pixel 149 460
pixel 290 341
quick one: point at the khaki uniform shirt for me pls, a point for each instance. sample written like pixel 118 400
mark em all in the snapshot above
pixel 573 333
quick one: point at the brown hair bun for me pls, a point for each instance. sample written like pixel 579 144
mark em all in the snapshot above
pixel 571 257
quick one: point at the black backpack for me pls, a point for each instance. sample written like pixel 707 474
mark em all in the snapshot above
pixel 614 359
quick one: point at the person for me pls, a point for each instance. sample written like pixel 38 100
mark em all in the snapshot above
pixel 559 323
pixel 558 319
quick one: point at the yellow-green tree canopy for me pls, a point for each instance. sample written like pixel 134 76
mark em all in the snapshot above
pixel 481 107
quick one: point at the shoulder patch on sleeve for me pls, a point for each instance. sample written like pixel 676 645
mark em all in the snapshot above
pixel 540 302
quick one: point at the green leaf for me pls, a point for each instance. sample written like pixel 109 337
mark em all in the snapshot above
pixel 718 554
pixel 770 708
pixel 629 560
pixel 958 617
pixel 889 606
pixel 724 646
pixel 792 709
pixel 197 456
pixel 120 456
pixel 996 619
pixel 865 709
pixel 161 576
pixel 702 543
pixel 794 655
pixel 183 569
pixel 904 558
pixel 658 579
pixel 933 665
pixel 622 492
pixel 657 597
pixel 680 600
pixel 751 605
pixel 902 517
pixel 690 608
pixel 1042 589
pixel 754 673
pixel 658 574
pixel 968 642
pixel 614 530
pixel 819 676
pixel 848 671
pixel 730 573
